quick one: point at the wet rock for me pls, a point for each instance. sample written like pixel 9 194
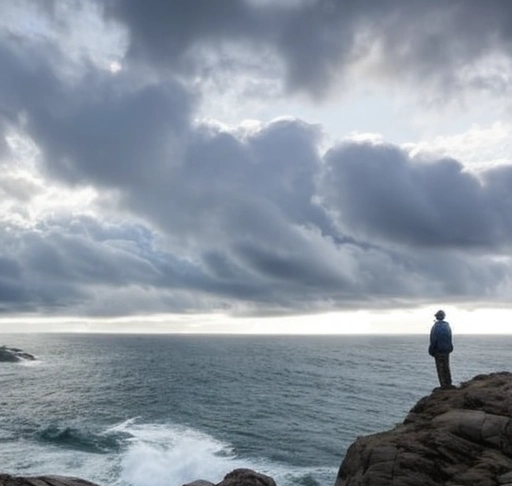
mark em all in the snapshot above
pixel 239 477
pixel 199 482
pixel 7 480
pixel 246 477
pixel 457 437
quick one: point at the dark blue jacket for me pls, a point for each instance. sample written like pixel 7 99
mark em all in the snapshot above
pixel 440 339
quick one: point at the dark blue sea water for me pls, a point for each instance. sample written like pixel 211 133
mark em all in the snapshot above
pixel 165 410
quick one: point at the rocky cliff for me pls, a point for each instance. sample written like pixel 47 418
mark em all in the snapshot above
pixel 452 437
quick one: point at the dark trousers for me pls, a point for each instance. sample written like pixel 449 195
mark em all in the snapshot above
pixel 443 370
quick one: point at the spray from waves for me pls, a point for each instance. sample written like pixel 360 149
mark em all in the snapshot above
pixel 172 455
pixel 133 453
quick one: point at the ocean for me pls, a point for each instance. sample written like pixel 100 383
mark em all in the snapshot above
pixel 164 410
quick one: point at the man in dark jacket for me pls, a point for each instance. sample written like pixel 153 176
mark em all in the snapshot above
pixel 440 348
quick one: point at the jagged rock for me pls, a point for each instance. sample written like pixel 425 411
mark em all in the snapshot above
pixel 7 480
pixel 246 477
pixel 200 482
pixel 456 437
pixel 239 477
pixel 12 355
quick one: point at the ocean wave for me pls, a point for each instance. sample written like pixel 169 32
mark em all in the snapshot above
pixel 7 435
pixel 136 453
pixel 82 439
pixel 172 455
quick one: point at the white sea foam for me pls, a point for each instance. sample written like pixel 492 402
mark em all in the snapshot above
pixel 30 363
pixel 169 455
pixel 32 459
pixel 153 455
pixel 172 455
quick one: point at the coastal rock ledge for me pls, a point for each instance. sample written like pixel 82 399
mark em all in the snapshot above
pixel 456 437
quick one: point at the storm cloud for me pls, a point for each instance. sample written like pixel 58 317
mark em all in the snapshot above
pixel 318 40
pixel 188 215
pixel 379 191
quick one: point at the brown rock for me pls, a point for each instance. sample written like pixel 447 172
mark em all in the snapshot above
pixel 199 482
pixel 246 477
pixel 238 477
pixel 8 480
pixel 457 437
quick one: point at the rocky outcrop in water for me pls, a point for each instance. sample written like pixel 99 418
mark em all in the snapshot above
pixel 452 437
pixel 12 355
pixel 7 480
pixel 238 477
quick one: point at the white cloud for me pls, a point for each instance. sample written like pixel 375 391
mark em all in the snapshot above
pixel 76 27
pixel 479 148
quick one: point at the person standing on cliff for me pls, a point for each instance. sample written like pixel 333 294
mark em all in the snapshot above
pixel 440 348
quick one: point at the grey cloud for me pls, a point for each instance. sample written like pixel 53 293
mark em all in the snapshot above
pixel 292 267
pixel 101 128
pixel 25 82
pixel 460 274
pixel 286 157
pixel 63 265
pixel 260 222
pixel 167 30
pixel 236 203
pixel 223 185
pixel 497 182
pixel 428 40
pixel 4 148
pixel 71 266
pixel 18 187
pixel 247 210
pixel 378 191
pixel 65 257
pixel 244 231
pixel 117 140
pixel 11 290
pixel 29 81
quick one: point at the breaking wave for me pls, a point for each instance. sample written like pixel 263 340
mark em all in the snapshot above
pixel 133 453
pixel 172 455
pixel 82 439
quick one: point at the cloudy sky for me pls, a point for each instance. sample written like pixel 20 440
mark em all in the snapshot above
pixel 255 165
